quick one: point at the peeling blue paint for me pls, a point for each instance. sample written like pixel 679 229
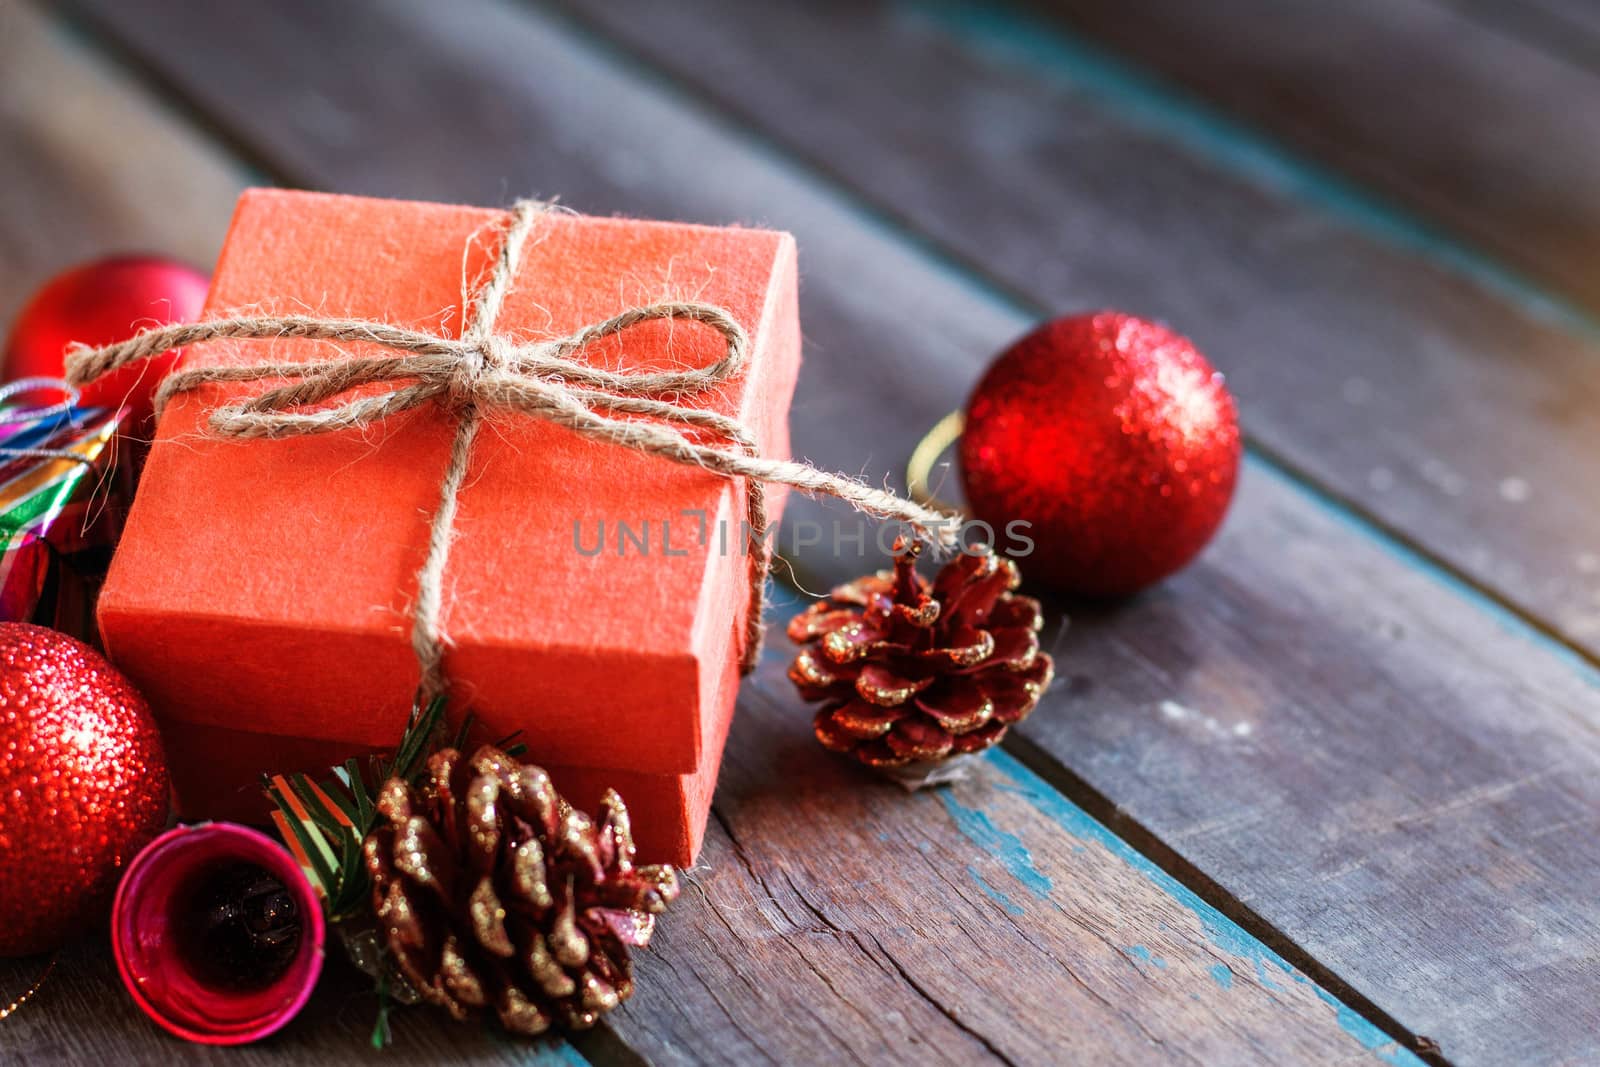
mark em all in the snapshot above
pixel 1380 1044
pixel 1224 934
pixel 1140 952
pixel 551 1052
pixel 1018 38
pixel 1267 982
pixel 1005 847
pixel 1080 67
pixel 994 894
pixel 1192 123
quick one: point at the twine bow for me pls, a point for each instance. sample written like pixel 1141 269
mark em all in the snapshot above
pixel 481 372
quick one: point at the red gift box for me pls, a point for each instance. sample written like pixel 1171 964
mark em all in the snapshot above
pixel 262 593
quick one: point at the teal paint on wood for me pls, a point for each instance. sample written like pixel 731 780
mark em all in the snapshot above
pixel 1354 1025
pixel 1266 980
pixel 1174 114
pixel 1221 932
pixel 1143 953
pixel 1000 898
pixel 1184 119
pixel 549 1052
pixel 1006 847
pixel 1017 37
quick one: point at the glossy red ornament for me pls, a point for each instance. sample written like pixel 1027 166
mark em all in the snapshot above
pixel 1114 438
pixel 98 303
pixel 83 786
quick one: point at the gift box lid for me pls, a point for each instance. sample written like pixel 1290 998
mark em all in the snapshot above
pixel 267 585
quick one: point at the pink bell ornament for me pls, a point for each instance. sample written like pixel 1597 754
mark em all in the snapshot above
pixel 217 933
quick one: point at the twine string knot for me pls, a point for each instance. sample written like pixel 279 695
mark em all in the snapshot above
pixel 482 372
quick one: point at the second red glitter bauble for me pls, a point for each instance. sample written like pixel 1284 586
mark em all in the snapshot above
pixel 83 786
pixel 1115 439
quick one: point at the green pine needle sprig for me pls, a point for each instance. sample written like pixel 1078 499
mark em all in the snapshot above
pixel 326 822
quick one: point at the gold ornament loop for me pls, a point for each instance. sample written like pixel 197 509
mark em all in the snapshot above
pixel 919 468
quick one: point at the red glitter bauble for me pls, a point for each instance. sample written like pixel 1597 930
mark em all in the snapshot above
pixel 83 785
pixel 98 303
pixel 1115 439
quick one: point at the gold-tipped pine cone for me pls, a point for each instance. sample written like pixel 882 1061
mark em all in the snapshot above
pixel 492 894
pixel 913 672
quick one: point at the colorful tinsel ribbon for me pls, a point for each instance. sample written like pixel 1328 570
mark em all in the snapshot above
pixel 58 498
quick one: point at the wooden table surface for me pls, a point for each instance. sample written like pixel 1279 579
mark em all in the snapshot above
pixel 1330 795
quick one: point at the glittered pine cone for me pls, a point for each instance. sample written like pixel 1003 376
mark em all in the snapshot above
pixel 913 673
pixel 493 894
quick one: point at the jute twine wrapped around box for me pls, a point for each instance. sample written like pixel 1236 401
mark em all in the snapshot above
pixel 479 373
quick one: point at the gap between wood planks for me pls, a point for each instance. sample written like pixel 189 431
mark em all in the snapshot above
pixel 1061 771
pixel 1454 255
pixel 1478 267
pixel 1102 809
pixel 1375 216
pixel 1105 811
pixel 1104 45
pixel 784 690
pixel 1254 151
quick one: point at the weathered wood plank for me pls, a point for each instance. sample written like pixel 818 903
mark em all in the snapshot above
pixel 87 171
pixel 1569 28
pixel 82 1015
pixel 1479 115
pixel 1564 27
pixel 1420 759
pixel 1020 922
pixel 838 915
pixel 1381 363
pixel 836 919
pixel 93 166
